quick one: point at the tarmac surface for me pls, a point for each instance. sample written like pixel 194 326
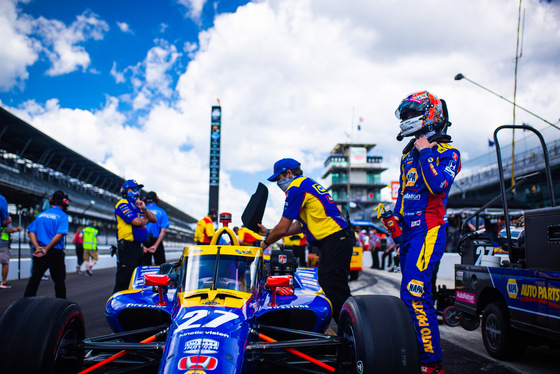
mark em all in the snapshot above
pixel 463 351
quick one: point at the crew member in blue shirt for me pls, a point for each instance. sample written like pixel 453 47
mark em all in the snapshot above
pixel 310 209
pixel 132 216
pixel 156 231
pixel 4 216
pixel 47 233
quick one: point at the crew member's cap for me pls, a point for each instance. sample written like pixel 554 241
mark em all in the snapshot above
pixel 60 195
pixel 283 165
pixel 151 196
pixel 131 183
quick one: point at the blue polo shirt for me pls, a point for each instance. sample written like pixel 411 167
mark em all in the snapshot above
pixel 3 208
pixel 49 223
pixel 154 229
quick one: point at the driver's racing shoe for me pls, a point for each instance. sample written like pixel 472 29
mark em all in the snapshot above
pixel 432 369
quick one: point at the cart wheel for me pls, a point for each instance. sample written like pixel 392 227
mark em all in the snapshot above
pixel 381 336
pixel 469 322
pixel 500 339
pixel 451 316
pixel 41 335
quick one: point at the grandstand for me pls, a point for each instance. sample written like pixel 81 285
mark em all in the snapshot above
pixel 33 166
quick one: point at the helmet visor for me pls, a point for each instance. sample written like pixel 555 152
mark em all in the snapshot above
pixel 409 109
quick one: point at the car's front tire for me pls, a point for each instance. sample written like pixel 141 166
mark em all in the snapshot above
pixel 381 335
pixel 41 335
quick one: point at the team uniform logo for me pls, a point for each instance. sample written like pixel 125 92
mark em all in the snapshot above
pixel 411 177
pixel 320 189
pixel 415 288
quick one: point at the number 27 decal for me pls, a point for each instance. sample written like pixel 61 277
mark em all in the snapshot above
pixel 196 315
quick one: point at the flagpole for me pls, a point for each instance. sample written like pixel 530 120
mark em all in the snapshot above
pixel 349 170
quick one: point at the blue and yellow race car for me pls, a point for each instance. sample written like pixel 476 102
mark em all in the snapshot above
pixel 219 309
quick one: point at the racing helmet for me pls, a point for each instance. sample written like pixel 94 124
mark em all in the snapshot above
pixel 420 112
pixel 131 183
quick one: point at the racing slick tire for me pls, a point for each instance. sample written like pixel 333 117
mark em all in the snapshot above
pixel 41 335
pixel 381 335
pixel 500 339
pixel 451 316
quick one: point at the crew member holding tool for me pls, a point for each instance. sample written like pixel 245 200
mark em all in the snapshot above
pixel 132 216
pixel 428 167
pixel 311 209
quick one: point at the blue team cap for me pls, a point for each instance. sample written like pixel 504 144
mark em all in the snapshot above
pixel 283 165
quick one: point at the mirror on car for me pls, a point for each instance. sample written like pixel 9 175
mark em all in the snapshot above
pixel 157 280
pixel 279 281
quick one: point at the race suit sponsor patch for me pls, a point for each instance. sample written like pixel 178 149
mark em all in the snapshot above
pixel 411 177
pixel 450 168
pixel 415 288
pixel 411 196
pixel 424 326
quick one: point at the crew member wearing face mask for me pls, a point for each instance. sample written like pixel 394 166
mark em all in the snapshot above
pixel 132 217
pixel 310 209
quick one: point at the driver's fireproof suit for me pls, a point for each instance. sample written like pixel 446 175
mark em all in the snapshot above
pixel 426 178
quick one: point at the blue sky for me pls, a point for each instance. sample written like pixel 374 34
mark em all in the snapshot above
pixel 130 84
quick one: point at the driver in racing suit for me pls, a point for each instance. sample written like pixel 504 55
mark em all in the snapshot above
pixel 428 167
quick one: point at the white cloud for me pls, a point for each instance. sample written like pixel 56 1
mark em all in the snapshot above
pixel 293 75
pixel 19 50
pixel 24 38
pixel 125 27
pixel 62 43
pixel 194 8
pixel 151 78
pixel 118 75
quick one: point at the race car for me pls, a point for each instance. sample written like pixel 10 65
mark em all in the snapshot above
pixel 219 309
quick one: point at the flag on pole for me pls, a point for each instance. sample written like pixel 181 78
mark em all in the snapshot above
pixel 360 124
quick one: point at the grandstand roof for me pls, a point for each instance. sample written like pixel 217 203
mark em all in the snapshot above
pixel 20 138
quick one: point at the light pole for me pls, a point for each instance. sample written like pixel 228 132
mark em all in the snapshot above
pixel 460 76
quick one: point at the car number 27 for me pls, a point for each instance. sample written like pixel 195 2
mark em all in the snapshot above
pixel 196 315
pixel 482 251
